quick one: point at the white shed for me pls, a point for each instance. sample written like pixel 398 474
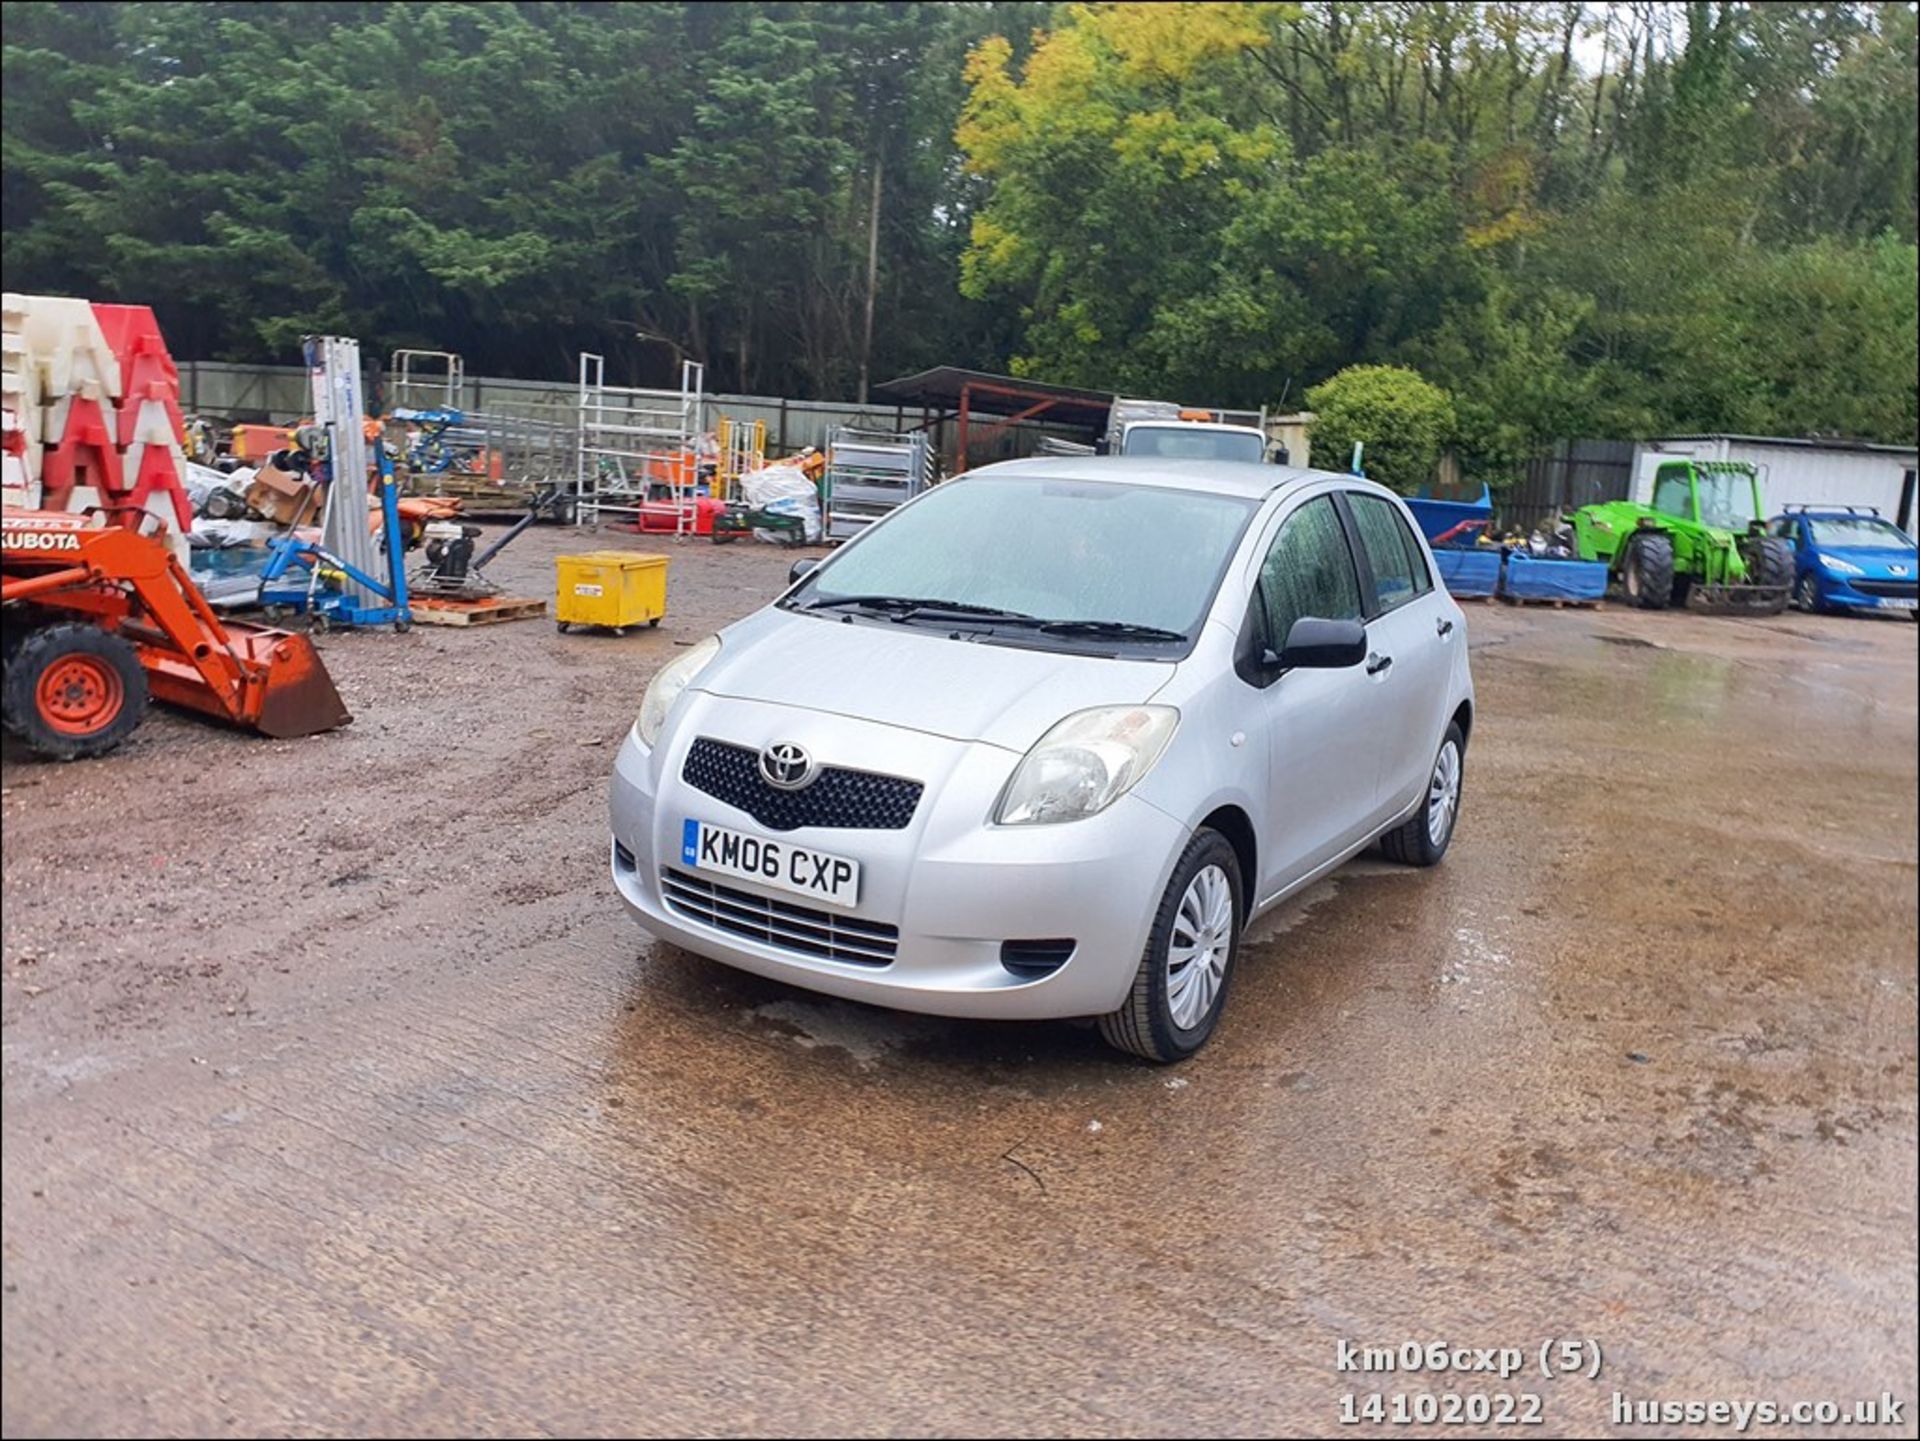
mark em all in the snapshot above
pixel 1800 472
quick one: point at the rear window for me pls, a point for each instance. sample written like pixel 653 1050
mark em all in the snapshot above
pixel 1186 442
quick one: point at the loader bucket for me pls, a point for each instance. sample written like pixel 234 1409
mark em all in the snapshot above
pixel 300 699
pixel 1737 599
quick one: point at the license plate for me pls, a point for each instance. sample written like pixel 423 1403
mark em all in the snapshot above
pixel 1895 603
pixel 779 864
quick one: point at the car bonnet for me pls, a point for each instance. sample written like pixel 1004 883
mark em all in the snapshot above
pixel 918 678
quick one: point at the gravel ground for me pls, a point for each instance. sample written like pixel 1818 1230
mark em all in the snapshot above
pixel 341 1096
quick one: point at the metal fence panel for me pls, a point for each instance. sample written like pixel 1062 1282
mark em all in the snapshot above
pixel 277 394
pixel 1563 477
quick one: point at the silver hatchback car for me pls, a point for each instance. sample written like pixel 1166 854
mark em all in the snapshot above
pixel 1042 742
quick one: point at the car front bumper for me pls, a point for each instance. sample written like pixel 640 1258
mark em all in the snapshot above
pixel 954 885
pixel 1858 593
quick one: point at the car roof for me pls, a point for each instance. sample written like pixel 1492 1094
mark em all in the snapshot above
pixel 1841 514
pixel 1252 479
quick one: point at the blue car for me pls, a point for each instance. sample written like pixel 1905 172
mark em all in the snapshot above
pixel 1850 559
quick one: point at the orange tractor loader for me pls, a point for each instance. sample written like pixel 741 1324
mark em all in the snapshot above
pixel 97 619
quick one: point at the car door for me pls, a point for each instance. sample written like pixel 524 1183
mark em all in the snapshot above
pixel 1322 727
pixel 1412 633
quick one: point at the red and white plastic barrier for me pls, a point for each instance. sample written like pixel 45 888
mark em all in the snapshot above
pixel 92 411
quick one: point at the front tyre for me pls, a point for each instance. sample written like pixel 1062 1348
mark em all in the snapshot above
pixel 1770 562
pixel 1181 985
pixel 1423 839
pixel 73 690
pixel 1647 573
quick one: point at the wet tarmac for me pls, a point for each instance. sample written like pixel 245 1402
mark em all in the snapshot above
pixel 340 1095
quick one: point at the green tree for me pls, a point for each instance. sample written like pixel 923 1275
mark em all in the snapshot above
pixel 1402 420
pixel 1576 216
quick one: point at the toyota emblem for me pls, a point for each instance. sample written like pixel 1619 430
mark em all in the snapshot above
pixel 787 767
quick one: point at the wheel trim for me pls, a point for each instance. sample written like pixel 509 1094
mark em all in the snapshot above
pixel 1199 946
pixel 79 695
pixel 1443 794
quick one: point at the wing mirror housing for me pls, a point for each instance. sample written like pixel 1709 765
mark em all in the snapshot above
pixel 801 569
pixel 1316 644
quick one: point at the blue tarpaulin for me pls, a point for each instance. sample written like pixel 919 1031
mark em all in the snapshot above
pixel 1533 579
pixel 1473 570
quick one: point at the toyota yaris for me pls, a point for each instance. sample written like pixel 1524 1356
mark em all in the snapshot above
pixel 1040 743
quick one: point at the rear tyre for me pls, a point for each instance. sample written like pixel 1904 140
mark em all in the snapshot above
pixel 1647 572
pixel 73 690
pixel 1187 968
pixel 1424 837
pixel 1770 563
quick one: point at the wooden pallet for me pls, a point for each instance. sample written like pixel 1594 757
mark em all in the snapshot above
pixel 1471 599
pixel 434 610
pixel 1558 602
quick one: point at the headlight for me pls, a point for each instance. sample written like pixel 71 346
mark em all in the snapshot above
pixel 665 687
pixel 1086 763
pixel 1833 562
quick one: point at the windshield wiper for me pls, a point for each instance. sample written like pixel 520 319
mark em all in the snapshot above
pixel 1116 629
pixel 911 607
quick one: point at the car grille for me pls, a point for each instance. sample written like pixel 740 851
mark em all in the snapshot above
pixel 1893 589
pixel 800 929
pixel 840 798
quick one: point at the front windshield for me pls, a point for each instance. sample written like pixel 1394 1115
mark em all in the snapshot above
pixel 1726 499
pixel 1864 531
pixel 1186 442
pixel 1044 547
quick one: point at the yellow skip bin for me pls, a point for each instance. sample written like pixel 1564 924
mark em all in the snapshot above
pixel 612 588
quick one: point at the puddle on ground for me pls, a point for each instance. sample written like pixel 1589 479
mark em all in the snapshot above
pixel 865 1035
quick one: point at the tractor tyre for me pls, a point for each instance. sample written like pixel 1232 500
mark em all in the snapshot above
pixel 22 621
pixel 1647 572
pixel 74 690
pixel 1770 563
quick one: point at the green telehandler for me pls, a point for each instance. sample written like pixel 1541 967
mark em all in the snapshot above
pixel 1701 543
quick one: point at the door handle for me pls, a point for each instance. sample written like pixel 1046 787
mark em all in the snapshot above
pixel 1377 663
pixel 1443 626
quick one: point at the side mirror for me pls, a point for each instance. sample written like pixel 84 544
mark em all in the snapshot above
pixel 1316 644
pixel 801 569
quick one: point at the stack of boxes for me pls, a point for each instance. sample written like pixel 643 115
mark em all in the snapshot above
pixel 92 412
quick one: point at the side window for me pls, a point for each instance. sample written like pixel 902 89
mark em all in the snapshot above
pixel 1383 536
pixel 1671 491
pixel 1309 571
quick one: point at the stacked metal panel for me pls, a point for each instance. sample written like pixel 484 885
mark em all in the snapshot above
pixel 638 444
pixel 870 473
